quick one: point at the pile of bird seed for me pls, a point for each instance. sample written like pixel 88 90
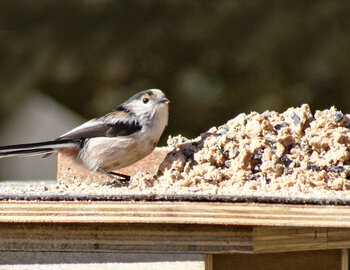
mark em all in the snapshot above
pixel 268 153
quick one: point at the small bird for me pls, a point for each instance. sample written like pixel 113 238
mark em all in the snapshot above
pixel 114 141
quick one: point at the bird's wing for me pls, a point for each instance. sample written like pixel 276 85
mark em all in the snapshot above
pixel 102 128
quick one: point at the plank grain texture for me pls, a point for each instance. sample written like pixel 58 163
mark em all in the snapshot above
pixel 167 238
pixel 125 238
pixel 175 212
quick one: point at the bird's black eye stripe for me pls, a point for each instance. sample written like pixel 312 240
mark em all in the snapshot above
pixel 145 100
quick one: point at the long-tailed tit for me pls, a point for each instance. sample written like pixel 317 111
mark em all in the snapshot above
pixel 111 142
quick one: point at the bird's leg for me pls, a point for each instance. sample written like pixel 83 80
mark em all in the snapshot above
pixel 116 181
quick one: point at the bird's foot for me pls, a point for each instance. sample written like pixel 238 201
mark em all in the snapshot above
pixel 123 181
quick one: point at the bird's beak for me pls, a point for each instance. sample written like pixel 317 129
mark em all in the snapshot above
pixel 164 100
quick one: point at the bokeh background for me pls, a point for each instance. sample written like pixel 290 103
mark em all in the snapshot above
pixel 62 62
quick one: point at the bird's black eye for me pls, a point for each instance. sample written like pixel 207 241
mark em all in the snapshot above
pixel 145 100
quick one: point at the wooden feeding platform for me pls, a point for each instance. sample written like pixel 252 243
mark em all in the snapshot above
pixel 159 231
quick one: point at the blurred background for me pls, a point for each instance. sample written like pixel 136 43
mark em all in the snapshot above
pixel 62 62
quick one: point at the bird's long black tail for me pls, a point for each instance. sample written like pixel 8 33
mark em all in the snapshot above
pixel 30 149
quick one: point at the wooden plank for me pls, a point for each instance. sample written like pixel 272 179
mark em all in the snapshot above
pixel 173 238
pixel 208 262
pixel 345 259
pixel 91 260
pixel 302 260
pixel 167 238
pixel 277 239
pixel 155 238
pixel 339 238
pixel 272 239
pixel 175 212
